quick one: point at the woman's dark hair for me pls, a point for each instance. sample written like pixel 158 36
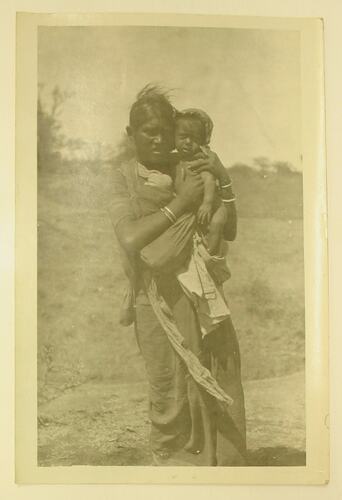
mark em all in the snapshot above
pixel 151 98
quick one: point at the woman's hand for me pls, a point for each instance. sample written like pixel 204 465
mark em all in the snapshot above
pixel 135 234
pixel 190 191
pixel 211 164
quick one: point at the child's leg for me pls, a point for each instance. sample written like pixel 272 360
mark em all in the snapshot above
pixel 214 236
pixel 206 208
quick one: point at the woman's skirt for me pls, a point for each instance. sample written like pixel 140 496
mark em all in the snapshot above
pixel 189 426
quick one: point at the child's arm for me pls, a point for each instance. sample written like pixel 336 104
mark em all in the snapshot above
pixel 216 229
pixel 219 172
pixel 209 187
pixel 205 210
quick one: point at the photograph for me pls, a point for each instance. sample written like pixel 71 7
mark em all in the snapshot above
pixel 170 262
pixel 171 253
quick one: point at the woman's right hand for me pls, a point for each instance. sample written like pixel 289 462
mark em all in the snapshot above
pixel 190 191
pixel 211 163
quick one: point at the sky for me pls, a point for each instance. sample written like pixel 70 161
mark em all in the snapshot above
pixel 248 81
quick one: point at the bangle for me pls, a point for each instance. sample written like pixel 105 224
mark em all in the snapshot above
pixel 228 200
pixel 226 186
pixel 167 215
pixel 171 214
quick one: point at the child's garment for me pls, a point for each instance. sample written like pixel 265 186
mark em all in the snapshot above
pixel 190 259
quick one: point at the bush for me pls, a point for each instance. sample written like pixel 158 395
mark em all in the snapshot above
pixel 50 138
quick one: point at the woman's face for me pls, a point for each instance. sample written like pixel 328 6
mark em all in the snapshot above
pixel 154 139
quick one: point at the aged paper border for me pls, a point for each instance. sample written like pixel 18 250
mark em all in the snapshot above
pixel 316 470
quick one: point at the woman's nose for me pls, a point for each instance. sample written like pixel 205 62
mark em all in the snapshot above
pixel 157 139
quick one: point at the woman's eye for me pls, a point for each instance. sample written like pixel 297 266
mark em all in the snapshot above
pixel 150 133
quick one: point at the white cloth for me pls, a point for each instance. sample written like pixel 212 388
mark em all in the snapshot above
pixel 155 178
pixel 200 287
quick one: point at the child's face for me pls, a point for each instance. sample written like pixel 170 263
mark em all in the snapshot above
pixel 189 137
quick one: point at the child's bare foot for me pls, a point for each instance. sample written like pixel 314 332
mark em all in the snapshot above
pixel 204 214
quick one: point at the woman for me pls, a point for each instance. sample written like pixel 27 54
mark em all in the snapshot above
pixel 190 378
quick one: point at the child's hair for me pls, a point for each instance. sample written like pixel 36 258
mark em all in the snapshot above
pixel 151 98
pixel 202 117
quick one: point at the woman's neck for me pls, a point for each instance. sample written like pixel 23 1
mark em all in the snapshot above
pixel 164 165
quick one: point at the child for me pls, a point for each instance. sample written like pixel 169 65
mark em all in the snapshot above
pixel 192 138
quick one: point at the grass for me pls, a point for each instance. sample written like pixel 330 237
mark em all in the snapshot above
pixel 80 285
pixel 266 296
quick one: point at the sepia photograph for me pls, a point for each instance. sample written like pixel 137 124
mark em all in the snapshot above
pixel 170 247
pixel 174 323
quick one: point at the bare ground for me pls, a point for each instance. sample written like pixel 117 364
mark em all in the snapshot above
pixel 107 424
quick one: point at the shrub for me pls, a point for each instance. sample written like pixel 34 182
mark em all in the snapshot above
pixel 50 138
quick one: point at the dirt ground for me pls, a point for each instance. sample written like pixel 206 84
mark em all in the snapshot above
pixel 107 424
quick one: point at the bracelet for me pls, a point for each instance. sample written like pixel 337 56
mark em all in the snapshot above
pixel 171 218
pixel 229 200
pixel 171 214
pixel 166 215
pixel 226 186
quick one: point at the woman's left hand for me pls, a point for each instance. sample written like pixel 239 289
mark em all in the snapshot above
pixel 210 164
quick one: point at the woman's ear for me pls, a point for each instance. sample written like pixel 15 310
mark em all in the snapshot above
pixel 129 131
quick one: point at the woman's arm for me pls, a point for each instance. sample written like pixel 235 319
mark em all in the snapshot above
pixel 230 229
pixel 135 234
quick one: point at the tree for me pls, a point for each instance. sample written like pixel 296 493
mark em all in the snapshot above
pixel 263 163
pixel 50 138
